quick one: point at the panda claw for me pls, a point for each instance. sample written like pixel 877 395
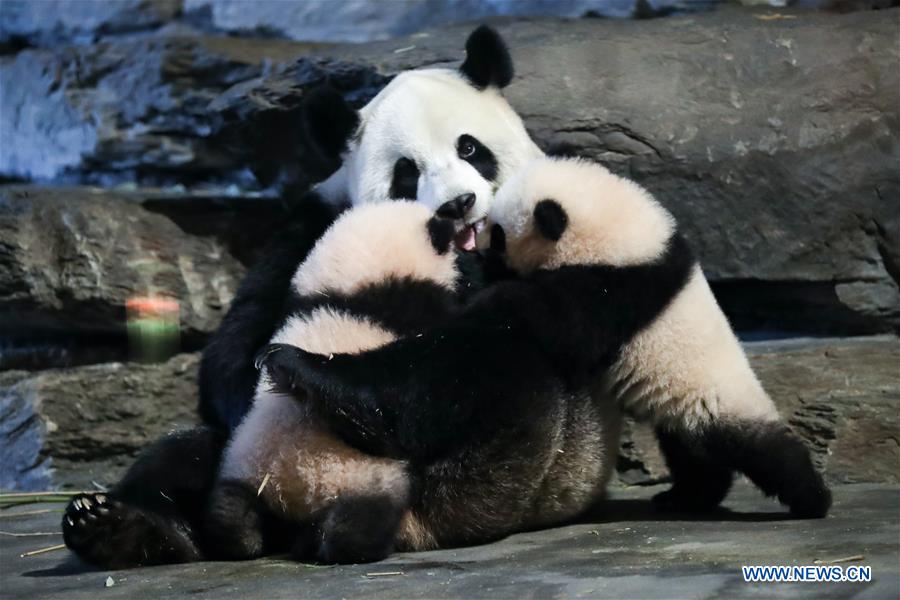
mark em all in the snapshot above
pixel 262 357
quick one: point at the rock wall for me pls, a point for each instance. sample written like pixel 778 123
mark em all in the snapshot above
pixel 773 137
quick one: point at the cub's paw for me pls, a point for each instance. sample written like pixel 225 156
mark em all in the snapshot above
pixel 287 367
pixel 111 534
pixel 809 500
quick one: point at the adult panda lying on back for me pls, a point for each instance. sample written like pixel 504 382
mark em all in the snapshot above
pixel 446 138
pixel 612 295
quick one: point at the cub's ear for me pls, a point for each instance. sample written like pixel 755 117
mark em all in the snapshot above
pixel 550 219
pixel 487 59
pixel 441 232
pixel 327 122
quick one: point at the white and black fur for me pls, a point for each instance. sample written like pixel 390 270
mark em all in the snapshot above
pixel 381 271
pixel 425 137
pixel 618 305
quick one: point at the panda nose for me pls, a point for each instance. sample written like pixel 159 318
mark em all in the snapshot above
pixel 458 207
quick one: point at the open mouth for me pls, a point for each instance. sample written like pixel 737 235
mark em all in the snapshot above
pixel 465 237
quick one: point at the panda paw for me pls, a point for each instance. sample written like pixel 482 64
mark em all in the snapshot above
pixel 286 367
pixel 110 534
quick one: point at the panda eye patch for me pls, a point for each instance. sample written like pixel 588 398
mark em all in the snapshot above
pixel 405 180
pixel 477 154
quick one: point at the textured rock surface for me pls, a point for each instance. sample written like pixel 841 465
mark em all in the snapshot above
pixel 75 426
pixel 71 257
pixel 126 111
pixel 841 396
pixel 774 139
pixel 46 22
pixel 624 551
pixel 361 21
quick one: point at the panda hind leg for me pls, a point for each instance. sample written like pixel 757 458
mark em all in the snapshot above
pixel 152 515
pixel 360 529
pixel 234 527
pixel 777 461
pixel 700 482
pixel 767 452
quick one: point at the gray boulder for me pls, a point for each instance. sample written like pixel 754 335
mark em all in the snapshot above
pixel 48 22
pixel 70 259
pixel 72 427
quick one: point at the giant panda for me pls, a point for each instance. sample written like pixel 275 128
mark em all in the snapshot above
pixel 443 137
pixel 381 270
pixel 611 293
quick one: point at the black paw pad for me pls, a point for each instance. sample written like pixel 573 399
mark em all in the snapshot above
pixel 87 522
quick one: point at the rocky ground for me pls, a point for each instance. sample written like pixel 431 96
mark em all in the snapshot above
pixel 625 550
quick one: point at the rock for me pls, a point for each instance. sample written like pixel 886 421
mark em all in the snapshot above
pixel 70 259
pixel 364 21
pixel 70 427
pixel 129 111
pixel 626 550
pixel 841 396
pixel 773 137
pixel 48 22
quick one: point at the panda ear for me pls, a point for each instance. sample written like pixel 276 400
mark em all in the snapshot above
pixel 487 59
pixel 441 232
pixel 550 219
pixel 327 123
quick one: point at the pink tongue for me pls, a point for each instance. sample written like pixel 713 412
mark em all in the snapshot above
pixel 465 239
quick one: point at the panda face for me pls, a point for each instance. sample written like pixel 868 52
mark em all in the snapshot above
pixel 444 138
pixel 373 243
pixel 432 137
pixel 558 212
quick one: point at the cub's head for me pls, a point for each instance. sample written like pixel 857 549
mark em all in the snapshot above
pixel 562 211
pixel 375 243
pixel 443 137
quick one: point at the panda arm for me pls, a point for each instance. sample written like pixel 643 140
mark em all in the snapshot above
pixel 227 376
pixel 413 399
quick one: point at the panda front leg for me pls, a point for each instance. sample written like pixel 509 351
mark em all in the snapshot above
pixel 700 481
pixel 765 450
pixel 407 400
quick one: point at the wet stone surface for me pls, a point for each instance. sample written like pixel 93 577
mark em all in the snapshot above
pixel 625 550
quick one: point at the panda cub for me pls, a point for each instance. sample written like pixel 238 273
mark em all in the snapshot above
pixel 613 295
pixel 285 482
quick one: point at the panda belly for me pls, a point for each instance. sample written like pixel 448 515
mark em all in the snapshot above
pixel 290 454
pixel 688 367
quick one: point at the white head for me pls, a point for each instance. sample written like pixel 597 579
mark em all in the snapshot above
pixel 446 138
pixel 561 211
pixel 373 243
